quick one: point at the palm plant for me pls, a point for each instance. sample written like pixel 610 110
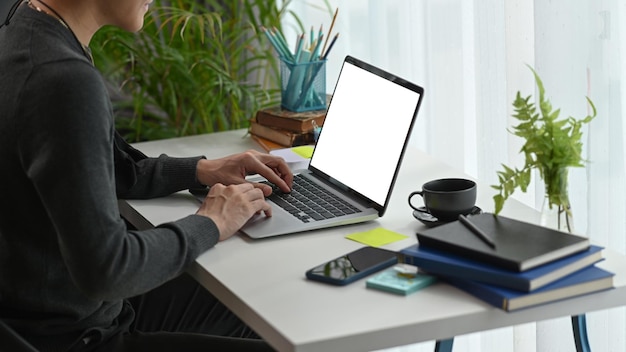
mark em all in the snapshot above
pixel 197 66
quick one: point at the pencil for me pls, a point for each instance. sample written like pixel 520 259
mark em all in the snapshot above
pixel 332 24
pixel 299 44
pixel 330 46
pixel 272 40
pixel 282 42
pixel 314 54
pixel 476 231
pixel 320 33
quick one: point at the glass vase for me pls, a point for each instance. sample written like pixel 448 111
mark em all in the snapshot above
pixel 558 217
pixel 556 211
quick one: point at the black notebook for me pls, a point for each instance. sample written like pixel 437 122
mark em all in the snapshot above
pixel 519 245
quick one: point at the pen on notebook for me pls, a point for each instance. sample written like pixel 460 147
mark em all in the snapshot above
pixel 476 231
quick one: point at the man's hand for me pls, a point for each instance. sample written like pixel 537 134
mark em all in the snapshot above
pixel 231 206
pixel 233 169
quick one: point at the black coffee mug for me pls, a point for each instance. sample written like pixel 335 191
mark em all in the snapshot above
pixel 447 198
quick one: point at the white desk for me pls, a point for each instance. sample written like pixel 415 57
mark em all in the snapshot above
pixel 263 281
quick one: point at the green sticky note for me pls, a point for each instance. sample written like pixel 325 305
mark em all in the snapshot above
pixel 305 151
pixel 376 237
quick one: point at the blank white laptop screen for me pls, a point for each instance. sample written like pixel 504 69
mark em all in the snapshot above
pixel 365 131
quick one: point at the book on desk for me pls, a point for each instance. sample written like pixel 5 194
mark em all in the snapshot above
pixel 528 264
pixel 275 125
pixel 299 122
pixel 265 143
pixel 519 245
pixel 447 264
pixel 585 281
pixel 281 137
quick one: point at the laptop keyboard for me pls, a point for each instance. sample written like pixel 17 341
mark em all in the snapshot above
pixel 310 202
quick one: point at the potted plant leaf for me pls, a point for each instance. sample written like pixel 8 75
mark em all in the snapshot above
pixel 197 66
pixel 551 146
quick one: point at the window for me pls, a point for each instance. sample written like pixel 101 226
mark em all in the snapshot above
pixel 471 56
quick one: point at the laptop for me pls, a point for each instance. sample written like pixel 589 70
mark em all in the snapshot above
pixel 357 155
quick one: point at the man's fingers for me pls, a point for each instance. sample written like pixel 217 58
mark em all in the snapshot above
pixel 276 170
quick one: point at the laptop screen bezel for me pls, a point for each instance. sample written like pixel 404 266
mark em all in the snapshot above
pixel 381 208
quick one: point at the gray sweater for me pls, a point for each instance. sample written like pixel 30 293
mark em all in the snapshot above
pixel 67 260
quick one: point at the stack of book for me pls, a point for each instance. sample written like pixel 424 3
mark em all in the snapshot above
pixel 526 265
pixel 276 127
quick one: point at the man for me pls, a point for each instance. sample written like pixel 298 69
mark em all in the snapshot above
pixel 72 276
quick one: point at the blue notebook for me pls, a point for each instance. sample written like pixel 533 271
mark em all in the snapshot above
pixel 588 280
pixel 438 262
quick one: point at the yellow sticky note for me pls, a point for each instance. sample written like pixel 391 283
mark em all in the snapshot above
pixel 376 237
pixel 305 151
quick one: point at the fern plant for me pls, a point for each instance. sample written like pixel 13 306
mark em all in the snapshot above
pixel 552 145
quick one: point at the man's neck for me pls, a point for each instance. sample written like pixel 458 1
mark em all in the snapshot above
pixel 74 14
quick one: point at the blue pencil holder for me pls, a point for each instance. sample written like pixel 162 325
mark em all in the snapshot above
pixel 303 85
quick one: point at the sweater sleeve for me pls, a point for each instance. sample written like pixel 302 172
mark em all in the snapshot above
pixel 66 147
pixel 140 177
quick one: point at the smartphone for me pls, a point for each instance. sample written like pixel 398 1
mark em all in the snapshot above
pixel 353 266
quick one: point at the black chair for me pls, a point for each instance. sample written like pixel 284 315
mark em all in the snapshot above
pixel 11 341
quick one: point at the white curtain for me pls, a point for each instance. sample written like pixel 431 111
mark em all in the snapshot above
pixel 471 56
